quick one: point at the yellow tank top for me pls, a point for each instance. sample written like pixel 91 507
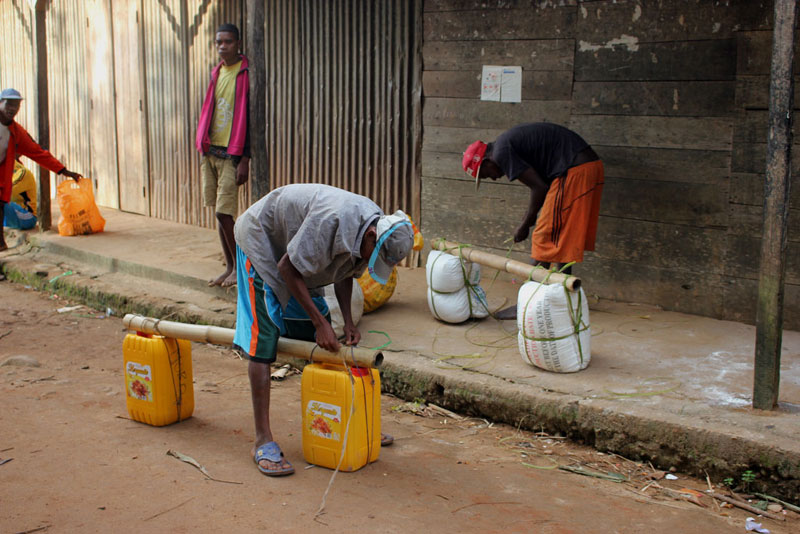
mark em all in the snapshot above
pixel 224 98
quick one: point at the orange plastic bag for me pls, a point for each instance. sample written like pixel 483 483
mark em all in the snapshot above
pixel 79 213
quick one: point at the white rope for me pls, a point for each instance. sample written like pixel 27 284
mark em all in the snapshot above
pixel 321 509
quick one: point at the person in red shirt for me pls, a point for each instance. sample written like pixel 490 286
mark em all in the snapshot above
pixel 15 141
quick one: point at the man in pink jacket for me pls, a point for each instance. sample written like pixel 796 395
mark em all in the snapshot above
pixel 15 141
pixel 224 141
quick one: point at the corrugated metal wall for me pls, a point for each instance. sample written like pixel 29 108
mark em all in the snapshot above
pixel 16 19
pixel 167 80
pixel 67 92
pixel 344 97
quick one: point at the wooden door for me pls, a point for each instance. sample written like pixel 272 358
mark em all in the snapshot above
pixel 130 105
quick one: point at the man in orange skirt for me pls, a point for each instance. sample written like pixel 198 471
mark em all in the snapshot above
pixel 565 178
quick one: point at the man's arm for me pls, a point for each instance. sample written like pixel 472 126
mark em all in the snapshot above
pixel 242 170
pixel 344 295
pixel 30 148
pixel 326 337
pixel 538 189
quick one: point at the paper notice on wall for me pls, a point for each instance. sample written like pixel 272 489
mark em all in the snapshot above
pixel 490 83
pixel 501 84
pixel 511 84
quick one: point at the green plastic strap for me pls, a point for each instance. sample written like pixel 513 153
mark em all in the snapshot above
pixel 67 273
pixel 379 347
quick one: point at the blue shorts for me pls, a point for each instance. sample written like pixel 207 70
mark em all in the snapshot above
pixel 260 320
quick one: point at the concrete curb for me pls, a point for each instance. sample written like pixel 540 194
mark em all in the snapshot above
pixel 690 449
pixel 115 265
pixel 666 443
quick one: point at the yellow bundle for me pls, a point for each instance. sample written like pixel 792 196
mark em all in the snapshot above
pixel 375 294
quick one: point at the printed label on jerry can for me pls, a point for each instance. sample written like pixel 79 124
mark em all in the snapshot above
pixel 324 420
pixel 139 380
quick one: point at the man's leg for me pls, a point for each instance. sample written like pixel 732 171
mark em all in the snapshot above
pixel 259 373
pixel 227 205
pixel 256 337
pixel 225 228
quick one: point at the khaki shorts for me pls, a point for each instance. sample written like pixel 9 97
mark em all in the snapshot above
pixel 219 185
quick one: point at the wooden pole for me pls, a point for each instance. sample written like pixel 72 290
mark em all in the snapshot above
pixel 259 168
pixel 769 313
pixel 218 335
pixel 523 270
pixel 43 112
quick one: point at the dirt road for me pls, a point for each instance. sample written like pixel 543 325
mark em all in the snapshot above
pixel 79 465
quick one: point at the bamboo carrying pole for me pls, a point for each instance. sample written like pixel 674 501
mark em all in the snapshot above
pixel 218 335
pixel 539 274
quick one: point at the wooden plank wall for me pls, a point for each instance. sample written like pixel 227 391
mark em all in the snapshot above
pixel 672 95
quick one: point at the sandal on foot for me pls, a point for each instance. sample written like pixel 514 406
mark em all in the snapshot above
pixel 386 440
pixel 272 453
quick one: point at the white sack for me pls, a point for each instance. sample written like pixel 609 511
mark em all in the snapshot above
pixel 449 298
pixel 550 313
pixel 473 272
pixel 477 297
pixel 356 307
pixel 443 272
pixel 449 307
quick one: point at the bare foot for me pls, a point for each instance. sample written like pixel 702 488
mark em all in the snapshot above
pixel 230 281
pixel 507 314
pixel 220 279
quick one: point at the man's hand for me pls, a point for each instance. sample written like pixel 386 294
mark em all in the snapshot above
pixel 242 170
pixel 326 337
pixel 351 335
pixel 521 234
pixel 69 174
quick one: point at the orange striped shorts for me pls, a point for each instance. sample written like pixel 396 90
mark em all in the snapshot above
pixel 567 222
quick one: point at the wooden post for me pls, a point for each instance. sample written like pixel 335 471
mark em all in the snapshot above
pixel 259 168
pixel 43 111
pixel 769 313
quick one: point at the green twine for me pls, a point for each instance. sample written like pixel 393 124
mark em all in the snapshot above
pixel 379 347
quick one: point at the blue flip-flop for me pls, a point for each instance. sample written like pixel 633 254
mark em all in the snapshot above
pixel 272 452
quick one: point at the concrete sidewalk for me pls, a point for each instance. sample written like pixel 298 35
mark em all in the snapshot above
pixel 671 388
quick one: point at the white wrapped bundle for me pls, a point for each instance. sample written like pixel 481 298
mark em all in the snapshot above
pixel 553 327
pixel 356 307
pixel 449 307
pixel 443 272
pixel 450 298
pixel 477 298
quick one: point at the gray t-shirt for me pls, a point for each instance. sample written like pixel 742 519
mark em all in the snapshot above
pixel 319 226
pixel 548 148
